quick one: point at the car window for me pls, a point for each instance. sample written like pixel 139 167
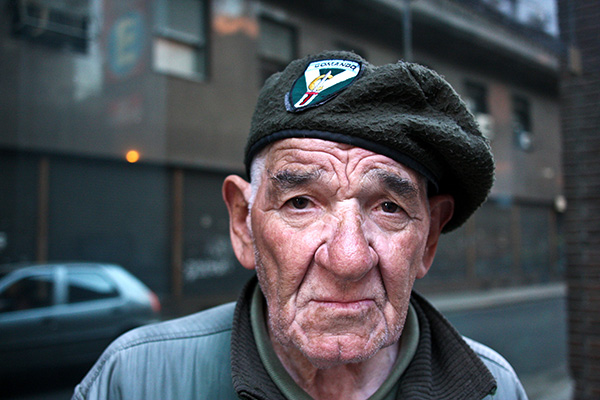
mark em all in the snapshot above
pixel 29 292
pixel 85 286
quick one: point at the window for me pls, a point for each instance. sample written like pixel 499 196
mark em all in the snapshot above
pixel 521 118
pixel 181 38
pixel 27 293
pixel 89 286
pixel 276 46
pixel 56 24
pixel 476 97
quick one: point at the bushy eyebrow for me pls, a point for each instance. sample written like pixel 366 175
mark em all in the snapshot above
pixel 396 184
pixel 286 180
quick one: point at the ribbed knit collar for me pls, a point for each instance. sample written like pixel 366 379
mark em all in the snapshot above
pixel 444 366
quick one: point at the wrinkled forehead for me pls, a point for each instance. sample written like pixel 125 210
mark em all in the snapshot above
pixel 328 157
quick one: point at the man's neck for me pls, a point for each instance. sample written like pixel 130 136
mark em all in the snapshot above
pixel 346 381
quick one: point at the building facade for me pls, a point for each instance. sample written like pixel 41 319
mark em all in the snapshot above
pixel 119 120
pixel 580 90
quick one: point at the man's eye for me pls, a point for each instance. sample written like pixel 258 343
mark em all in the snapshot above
pixel 299 202
pixel 389 207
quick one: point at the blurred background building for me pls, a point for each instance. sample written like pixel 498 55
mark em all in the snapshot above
pixel 120 118
pixel 580 92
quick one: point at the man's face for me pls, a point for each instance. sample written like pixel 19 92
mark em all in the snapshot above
pixel 340 234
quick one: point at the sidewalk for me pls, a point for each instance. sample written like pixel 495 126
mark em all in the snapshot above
pixel 550 385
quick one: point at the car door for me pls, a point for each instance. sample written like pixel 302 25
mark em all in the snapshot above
pixel 27 324
pixel 90 315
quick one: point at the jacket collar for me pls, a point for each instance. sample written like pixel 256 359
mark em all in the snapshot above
pixel 444 367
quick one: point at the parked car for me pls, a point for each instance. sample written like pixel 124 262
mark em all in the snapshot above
pixel 65 314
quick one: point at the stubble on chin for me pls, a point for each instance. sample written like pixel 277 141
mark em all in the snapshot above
pixel 325 342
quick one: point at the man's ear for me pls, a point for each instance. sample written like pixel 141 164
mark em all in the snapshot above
pixel 236 193
pixel 441 210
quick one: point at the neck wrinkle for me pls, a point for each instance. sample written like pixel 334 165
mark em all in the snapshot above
pixel 347 381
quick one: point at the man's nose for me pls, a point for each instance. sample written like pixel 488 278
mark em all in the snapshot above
pixel 347 253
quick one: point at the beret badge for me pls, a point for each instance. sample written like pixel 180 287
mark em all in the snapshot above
pixel 321 81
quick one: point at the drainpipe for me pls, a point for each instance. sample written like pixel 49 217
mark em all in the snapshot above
pixel 407 31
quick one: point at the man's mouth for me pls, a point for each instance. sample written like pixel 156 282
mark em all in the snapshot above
pixel 345 305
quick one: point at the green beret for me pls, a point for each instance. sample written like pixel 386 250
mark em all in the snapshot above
pixel 403 110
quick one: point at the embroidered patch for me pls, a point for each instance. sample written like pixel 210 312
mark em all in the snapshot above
pixel 322 80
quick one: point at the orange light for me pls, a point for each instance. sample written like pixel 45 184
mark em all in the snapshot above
pixel 132 156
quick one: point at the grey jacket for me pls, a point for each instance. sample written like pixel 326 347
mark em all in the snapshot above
pixel 191 358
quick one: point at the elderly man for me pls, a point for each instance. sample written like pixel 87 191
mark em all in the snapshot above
pixel 355 171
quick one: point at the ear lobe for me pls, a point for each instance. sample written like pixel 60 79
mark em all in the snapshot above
pixel 441 210
pixel 236 193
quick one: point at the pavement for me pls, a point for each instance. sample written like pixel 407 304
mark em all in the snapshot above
pixel 548 385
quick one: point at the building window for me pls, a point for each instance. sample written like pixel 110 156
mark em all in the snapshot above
pixel 276 46
pixel 53 23
pixel 180 43
pixel 521 119
pixel 476 97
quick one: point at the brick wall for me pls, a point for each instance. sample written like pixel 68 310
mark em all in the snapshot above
pixel 580 103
